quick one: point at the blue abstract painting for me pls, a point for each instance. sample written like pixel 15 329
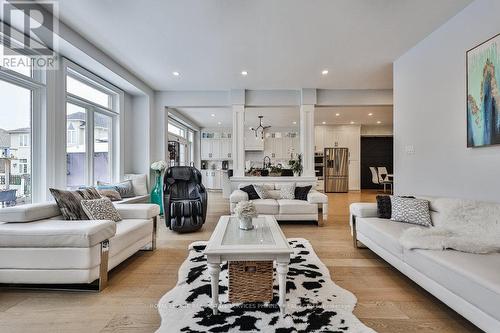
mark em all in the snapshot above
pixel 483 96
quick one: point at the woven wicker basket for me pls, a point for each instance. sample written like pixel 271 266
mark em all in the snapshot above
pixel 250 281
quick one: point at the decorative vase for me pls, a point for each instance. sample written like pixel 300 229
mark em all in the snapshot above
pixel 246 223
pixel 157 193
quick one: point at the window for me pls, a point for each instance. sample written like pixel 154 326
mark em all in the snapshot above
pixel 24 140
pixel 174 129
pixel 91 115
pixel 15 131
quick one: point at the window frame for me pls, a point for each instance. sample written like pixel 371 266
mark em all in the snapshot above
pixel 115 112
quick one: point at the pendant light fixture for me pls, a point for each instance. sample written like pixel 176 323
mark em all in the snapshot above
pixel 256 130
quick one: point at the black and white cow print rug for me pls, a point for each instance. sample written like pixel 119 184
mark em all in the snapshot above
pixel 314 302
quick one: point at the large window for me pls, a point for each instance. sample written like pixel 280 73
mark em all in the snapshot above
pixel 91 118
pixel 15 142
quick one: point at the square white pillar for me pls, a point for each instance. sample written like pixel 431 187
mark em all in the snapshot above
pixel 238 140
pixel 307 139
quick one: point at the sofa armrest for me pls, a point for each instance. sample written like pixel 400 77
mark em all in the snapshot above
pixel 363 209
pixel 237 196
pixel 315 197
pixel 138 211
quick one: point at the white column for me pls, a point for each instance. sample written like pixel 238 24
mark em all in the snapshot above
pixel 238 151
pixel 307 139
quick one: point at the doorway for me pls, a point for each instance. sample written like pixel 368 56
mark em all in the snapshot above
pixel 375 152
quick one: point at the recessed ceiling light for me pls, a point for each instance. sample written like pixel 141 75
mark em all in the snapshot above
pixel 176 73
pixel 244 73
pixel 324 122
pixel 219 123
pixel 370 114
pixel 213 114
pixel 379 122
pixel 294 122
pixel 337 114
pixel 352 122
pixel 324 72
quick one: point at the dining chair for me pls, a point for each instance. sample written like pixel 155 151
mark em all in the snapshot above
pixel 384 178
pixel 375 179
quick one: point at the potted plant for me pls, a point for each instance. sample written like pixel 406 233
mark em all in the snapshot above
pixel 296 165
pixel 245 211
pixel 156 192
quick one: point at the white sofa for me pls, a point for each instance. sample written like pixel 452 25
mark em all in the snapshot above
pixel 140 188
pixel 468 283
pixel 38 247
pixel 286 209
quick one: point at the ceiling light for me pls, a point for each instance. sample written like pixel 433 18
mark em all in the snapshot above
pixel 219 123
pixel 370 114
pixel 324 72
pixel 176 73
pixel 324 122
pixel 379 122
pixel 213 114
pixel 337 114
pixel 352 122
pixel 244 73
pixel 294 122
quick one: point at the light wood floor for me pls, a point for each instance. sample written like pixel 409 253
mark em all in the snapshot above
pixel 387 300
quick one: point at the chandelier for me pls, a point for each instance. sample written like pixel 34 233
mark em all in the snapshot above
pixel 256 130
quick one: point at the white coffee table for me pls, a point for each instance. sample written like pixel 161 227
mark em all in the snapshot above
pixel 266 242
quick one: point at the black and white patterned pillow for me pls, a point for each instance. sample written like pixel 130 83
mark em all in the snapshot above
pixel 287 191
pixel 100 209
pixel 69 202
pixel 415 211
pixel 262 191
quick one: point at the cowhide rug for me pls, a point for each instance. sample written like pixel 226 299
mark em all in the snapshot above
pixel 314 302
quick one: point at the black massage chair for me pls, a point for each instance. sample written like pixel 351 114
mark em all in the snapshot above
pixel 184 199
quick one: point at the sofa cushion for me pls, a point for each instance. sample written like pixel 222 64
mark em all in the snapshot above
pixel 30 212
pixel 250 190
pixel 138 211
pixel 139 183
pixel 100 209
pixel 266 206
pixel 473 277
pixel 384 232
pixel 128 232
pixel 316 197
pixel 136 199
pixel 292 206
pixel 56 233
pixel 69 202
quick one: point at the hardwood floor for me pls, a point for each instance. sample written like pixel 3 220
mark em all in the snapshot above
pixel 387 300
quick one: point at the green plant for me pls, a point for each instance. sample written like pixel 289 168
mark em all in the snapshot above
pixel 296 165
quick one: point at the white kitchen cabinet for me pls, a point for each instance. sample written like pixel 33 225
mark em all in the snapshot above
pixel 206 147
pixel 216 149
pixel 212 179
pixel 319 139
pixel 211 149
pixel 226 148
pixel 252 142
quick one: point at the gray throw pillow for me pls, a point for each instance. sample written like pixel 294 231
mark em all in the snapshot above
pixel 69 202
pixel 287 191
pixel 112 195
pixel 408 210
pixel 262 191
pixel 125 188
pixel 100 209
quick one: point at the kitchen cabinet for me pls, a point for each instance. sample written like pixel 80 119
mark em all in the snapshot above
pixel 281 146
pixel 252 142
pixel 206 148
pixel 319 139
pixel 212 179
pixel 226 148
pixel 216 149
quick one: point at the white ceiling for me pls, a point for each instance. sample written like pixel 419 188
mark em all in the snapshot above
pixel 283 44
pixel 285 116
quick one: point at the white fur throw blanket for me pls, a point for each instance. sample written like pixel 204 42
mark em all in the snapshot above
pixel 462 225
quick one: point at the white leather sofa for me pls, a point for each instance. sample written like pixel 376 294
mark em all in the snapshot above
pixel 286 209
pixel 468 283
pixel 38 247
pixel 140 188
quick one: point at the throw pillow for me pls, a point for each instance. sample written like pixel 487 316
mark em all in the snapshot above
pixel 124 188
pixel 111 194
pixel 69 202
pixel 384 206
pixel 287 191
pixel 139 183
pixel 408 210
pixel 250 190
pixel 100 209
pixel 262 191
pixel 301 192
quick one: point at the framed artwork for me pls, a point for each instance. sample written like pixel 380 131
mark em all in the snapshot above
pixel 483 93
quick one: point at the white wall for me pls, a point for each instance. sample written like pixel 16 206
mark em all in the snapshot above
pixel 430 112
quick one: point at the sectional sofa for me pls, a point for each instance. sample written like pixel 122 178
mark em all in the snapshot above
pixel 38 247
pixel 468 283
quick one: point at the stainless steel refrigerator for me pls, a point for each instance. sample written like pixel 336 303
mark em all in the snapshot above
pixel 336 173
